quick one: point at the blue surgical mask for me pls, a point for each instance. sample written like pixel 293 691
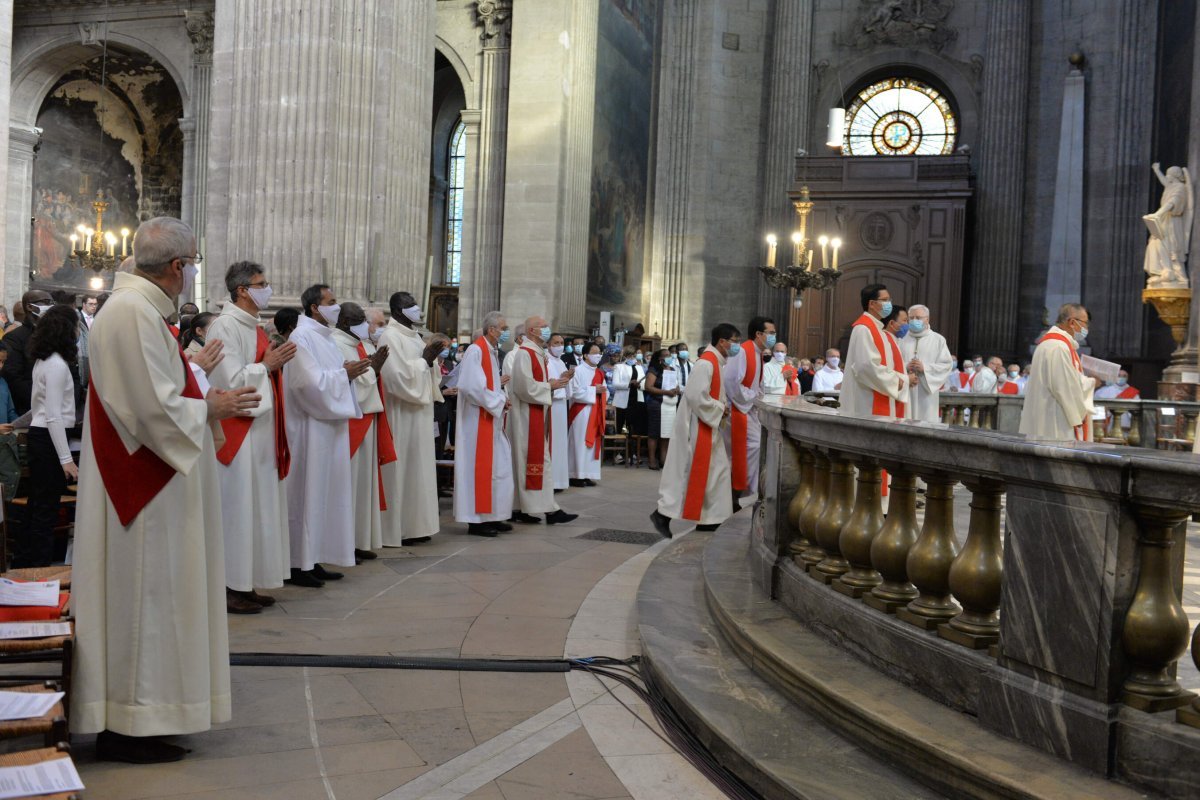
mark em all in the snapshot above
pixel 916 325
pixel 770 340
pixel 568 349
pixel 669 361
pixel 505 337
pixel 1122 381
pixel 903 331
pixel 683 354
pixel 445 353
pixel 545 333
pixel 639 357
pixel 631 361
pixel 886 309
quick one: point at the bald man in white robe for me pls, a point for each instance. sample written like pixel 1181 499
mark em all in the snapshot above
pixel 926 356
pixel 1058 398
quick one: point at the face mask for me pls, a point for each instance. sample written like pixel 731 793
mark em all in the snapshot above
pixel 977 364
pixel 780 358
pixel 770 340
pixel 568 349
pixel 631 361
pixel 361 330
pixel 505 335
pixel 261 295
pixel 1122 381
pixel 330 313
pixel 903 331
pixel 669 361
pixel 445 353
pixel 969 368
pixel 594 359
pixel 413 313
pixel 42 309
pixel 545 333
pixel 640 357
pixel 1012 374
pixel 1081 336
pixel 833 362
pixel 683 354
pixel 886 309
pixel 189 275
pixel 376 335
pixel 557 351
pixel 916 325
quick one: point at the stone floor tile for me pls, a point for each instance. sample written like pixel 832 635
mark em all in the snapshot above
pixel 436 735
pixel 114 781
pixel 293 790
pixel 371 785
pixel 511 635
pixel 489 791
pixel 353 759
pixel 617 732
pixel 504 691
pixel 569 769
pixel 390 691
pixel 662 777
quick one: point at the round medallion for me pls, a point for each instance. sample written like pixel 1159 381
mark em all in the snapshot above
pixel 900 116
pixel 876 231
pixel 896 133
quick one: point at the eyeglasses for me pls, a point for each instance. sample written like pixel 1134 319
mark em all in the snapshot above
pixel 196 259
pixel 263 285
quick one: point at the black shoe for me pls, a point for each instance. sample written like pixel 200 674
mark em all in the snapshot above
pixel 322 574
pixel 662 523
pixel 137 749
pixel 577 482
pixel 558 491
pixel 416 540
pixel 588 482
pixel 737 501
pixel 482 529
pixel 365 555
pixel 706 528
pixel 523 518
pixel 560 517
pixel 305 579
pixel 501 527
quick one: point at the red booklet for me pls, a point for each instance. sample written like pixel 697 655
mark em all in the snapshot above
pixel 35 613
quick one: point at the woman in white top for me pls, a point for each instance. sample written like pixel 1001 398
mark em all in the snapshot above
pixel 586 417
pixel 52 349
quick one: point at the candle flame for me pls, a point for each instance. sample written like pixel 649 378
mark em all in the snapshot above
pixel 797 238
pixel 822 240
pixel 772 239
pixel 836 243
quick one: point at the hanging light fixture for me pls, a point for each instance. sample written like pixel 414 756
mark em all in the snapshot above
pixel 837 128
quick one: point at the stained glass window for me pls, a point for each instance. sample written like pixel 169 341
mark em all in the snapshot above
pixel 900 117
pixel 456 172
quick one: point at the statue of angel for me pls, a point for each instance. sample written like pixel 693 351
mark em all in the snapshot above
pixel 1170 230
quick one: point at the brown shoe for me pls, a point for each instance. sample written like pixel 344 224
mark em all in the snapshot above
pixel 263 600
pixel 235 603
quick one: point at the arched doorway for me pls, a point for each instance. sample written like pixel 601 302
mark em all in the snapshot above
pixel 447 197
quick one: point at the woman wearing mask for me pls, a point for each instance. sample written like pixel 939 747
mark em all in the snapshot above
pixel 193 339
pixel 662 386
pixel 560 459
pixel 51 466
pixel 628 399
pixel 585 418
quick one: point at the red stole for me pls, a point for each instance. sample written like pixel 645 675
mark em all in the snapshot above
pixel 1083 431
pixel 483 436
pixel 881 403
pixel 965 380
pixel 535 453
pixel 131 480
pixel 740 421
pixel 1009 387
pixel 237 428
pixel 1129 393
pixel 594 437
pixel 791 386
pixel 693 499
pixel 385 444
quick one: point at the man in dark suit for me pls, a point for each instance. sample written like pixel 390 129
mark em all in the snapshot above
pixel 18 369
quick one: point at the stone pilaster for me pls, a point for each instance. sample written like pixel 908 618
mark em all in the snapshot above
pixel 788 124
pixel 14 278
pixel 319 147
pixel 195 128
pixel 1193 338
pixel 997 269
pixel 467 318
pixel 22 139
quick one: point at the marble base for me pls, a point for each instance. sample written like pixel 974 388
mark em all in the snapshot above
pixel 886 606
pixel 1155 751
pixel 975 641
pixel 924 623
pixel 1155 705
pixel 1188 716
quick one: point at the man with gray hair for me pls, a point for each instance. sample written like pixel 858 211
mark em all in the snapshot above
pixel 928 363
pixel 518 340
pixel 1058 398
pixel 255 457
pixel 152 648
pixel 483 479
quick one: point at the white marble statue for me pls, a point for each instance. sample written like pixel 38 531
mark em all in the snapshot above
pixel 1170 230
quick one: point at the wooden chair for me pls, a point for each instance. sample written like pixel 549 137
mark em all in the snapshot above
pixel 30 757
pixel 51 726
pixel 615 442
pixel 57 651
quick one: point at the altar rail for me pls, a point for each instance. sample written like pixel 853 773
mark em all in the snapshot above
pixel 1063 633
pixel 1153 424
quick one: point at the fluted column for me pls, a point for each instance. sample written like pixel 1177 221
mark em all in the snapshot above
pixel 319 150
pixel 195 128
pixel 22 139
pixel 999 197
pixel 14 270
pixel 787 129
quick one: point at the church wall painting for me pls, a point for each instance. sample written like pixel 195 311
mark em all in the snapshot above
pixel 621 146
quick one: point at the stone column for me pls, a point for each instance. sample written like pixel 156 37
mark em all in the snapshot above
pixel 195 127
pixel 787 129
pixel 14 269
pixel 495 17
pixel 1064 278
pixel 318 161
pixel 467 316
pixel 22 139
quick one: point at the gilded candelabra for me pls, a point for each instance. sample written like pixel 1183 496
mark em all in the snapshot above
pixel 800 274
pixel 96 248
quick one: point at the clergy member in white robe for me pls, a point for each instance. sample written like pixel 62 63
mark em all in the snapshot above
pixel 876 382
pixel 987 377
pixel 742 374
pixel 151 647
pixel 370 437
pixel 926 356
pixel 411 383
pixel 560 437
pixel 531 392
pixel 829 377
pixel 254 458
pixel 320 403
pixel 483 479
pixel 585 417
pixel 1058 398
pixel 695 483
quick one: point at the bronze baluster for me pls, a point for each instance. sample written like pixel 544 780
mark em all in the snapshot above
pixel 811 514
pixel 1190 714
pixel 1156 629
pixel 976 572
pixel 930 558
pixel 833 518
pixel 889 551
pixel 947 413
pixel 799 501
pixel 860 531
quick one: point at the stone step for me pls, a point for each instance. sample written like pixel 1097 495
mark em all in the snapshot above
pixel 933 743
pixel 776 747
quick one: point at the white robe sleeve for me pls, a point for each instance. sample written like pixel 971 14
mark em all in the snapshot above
pixel 235 370
pixel 938 368
pixel 866 368
pixel 582 390
pixel 698 395
pixel 523 385
pixel 406 375
pixel 1071 389
pixel 319 392
pixel 472 384
pixel 733 375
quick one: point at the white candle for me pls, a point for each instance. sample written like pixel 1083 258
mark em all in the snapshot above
pixel 74 243
pixel 824 242
pixel 810 260
pixel 796 240
pixel 124 242
pixel 837 245
pixel 772 241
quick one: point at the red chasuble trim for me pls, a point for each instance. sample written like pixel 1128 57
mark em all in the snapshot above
pixel 1083 431
pixel 535 454
pixel 1129 393
pixel 693 499
pixel 740 422
pixel 1009 387
pixel 483 437
pixel 791 384
pixel 131 480
pixel 385 444
pixel 594 437
pixel 237 428
pixel 881 404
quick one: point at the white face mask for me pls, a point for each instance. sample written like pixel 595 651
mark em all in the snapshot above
pixel 556 351
pixel 261 295
pixel 42 309
pixel 376 334
pixel 330 313
pixel 780 358
pixel 189 276
pixel 413 313
pixel 833 362
pixel 594 359
pixel 361 330
pixel 1012 374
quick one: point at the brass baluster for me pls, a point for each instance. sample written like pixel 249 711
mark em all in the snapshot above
pixel 1134 439
pixel 974 417
pixel 860 531
pixel 1190 714
pixel 811 514
pixel 1097 430
pixel 1190 428
pixel 930 558
pixel 947 413
pixel 889 550
pixel 799 500
pixel 1156 629
pixel 975 575
pixel 833 518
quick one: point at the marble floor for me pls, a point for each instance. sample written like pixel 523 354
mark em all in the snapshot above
pixel 326 733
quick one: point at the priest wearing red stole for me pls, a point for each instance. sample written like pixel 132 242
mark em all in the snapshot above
pixel 695 480
pixel 255 458
pixel 152 647
pixel 529 426
pixel 585 416
pixel 1058 398
pixel 483 478
pixel 742 374
pixel 876 382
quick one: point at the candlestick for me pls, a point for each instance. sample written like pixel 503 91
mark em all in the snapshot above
pixel 91 238
pixel 111 241
pixel 772 241
pixel 837 245
pixel 797 240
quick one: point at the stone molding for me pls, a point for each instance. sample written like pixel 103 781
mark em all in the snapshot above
pixel 495 16
pixel 200 27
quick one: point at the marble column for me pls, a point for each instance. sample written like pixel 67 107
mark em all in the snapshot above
pixel 1064 278
pixel 787 129
pixel 195 127
pixel 318 162
pixel 495 17
pixel 999 197
pixel 548 169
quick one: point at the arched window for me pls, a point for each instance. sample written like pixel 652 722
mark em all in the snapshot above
pixel 456 170
pixel 900 117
